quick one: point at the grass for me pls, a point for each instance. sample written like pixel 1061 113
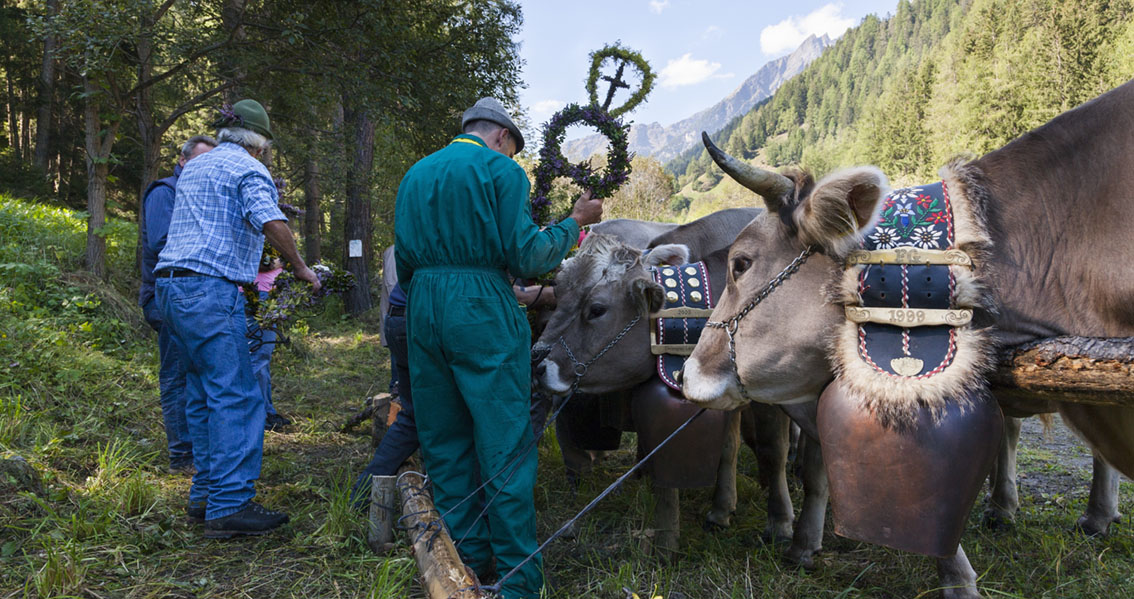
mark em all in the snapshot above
pixel 81 407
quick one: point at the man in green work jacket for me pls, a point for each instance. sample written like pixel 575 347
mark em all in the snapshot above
pixel 462 225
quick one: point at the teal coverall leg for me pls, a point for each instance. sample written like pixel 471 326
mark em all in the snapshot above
pixel 478 383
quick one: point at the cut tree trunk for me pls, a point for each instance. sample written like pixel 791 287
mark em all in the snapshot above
pixel 1075 369
pixel 443 574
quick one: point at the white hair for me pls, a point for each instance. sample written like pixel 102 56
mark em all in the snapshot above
pixel 244 137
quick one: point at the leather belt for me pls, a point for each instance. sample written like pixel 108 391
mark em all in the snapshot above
pixel 178 272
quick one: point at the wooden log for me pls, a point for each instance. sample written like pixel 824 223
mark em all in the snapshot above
pixel 383 504
pixel 1075 369
pixel 443 574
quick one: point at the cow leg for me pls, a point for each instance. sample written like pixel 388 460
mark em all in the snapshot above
pixel 1102 507
pixel 1004 500
pixel 667 523
pixel 808 537
pixel 957 577
pixel 724 493
pixel 576 461
pixel 1107 429
pixel 766 429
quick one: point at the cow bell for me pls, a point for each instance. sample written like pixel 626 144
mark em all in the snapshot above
pixel 910 488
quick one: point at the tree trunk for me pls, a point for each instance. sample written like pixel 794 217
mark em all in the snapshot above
pixel 313 219
pixel 25 129
pixel 443 574
pixel 13 122
pixel 98 148
pixel 232 19
pixel 46 85
pixel 148 133
pixel 1076 369
pixel 357 225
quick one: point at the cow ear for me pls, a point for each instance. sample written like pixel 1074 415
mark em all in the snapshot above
pixel 647 295
pixel 667 253
pixel 840 207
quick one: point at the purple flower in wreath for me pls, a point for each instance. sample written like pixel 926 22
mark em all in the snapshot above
pixel 884 238
pixel 926 237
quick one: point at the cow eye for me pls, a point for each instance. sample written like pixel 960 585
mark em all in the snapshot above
pixel 595 311
pixel 739 265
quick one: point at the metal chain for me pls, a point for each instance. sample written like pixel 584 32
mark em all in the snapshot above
pixel 731 325
pixel 581 368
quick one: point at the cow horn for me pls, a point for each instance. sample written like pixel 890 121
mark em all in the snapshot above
pixel 768 184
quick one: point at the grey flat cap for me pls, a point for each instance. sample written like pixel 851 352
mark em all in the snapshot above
pixel 490 109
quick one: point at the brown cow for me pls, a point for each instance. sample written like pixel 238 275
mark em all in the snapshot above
pixel 1056 204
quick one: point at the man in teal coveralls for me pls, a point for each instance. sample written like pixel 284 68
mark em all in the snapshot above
pixel 463 220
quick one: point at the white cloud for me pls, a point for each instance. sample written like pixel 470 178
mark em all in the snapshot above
pixel 788 34
pixel 657 6
pixel 690 71
pixel 712 32
pixel 545 108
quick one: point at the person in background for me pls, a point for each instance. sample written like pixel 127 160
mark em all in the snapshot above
pixel 262 342
pixel 157 208
pixel 389 281
pixel 226 206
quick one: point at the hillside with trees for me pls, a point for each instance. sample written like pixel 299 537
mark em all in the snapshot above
pixel 936 79
pixel 99 95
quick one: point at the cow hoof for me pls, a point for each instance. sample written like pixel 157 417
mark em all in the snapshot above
pixel 777 534
pixel 716 521
pixel 664 546
pixel 961 593
pixel 804 558
pixel 1092 528
pixel 998 520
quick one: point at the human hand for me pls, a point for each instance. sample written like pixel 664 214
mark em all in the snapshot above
pixel 587 211
pixel 306 274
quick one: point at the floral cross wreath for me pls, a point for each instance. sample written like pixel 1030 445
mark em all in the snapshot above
pixel 553 164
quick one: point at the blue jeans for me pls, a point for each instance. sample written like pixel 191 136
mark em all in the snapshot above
pixel 223 403
pixel 400 441
pixel 171 380
pixel 262 357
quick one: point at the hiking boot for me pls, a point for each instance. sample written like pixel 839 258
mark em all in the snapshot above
pixel 276 422
pixel 185 467
pixel 254 519
pixel 195 513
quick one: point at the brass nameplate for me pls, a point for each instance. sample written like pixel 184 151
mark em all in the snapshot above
pixel 676 349
pixel 682 312
pixel 909 317
pixel 909 255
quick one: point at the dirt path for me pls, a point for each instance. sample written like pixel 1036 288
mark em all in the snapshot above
pixel 1054 462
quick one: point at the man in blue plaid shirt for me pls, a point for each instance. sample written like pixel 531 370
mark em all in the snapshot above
pixel 226 205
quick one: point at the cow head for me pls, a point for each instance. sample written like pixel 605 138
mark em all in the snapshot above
pixel 599 292
pixel 781 344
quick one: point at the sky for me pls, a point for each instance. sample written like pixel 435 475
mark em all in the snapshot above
pixel 701 50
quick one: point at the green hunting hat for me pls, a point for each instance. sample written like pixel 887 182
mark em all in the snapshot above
pixel 490 109
pixel 247 114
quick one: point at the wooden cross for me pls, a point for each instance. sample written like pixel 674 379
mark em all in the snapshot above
pixel 615 83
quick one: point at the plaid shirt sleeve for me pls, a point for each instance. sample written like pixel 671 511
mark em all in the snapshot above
pixel 261 200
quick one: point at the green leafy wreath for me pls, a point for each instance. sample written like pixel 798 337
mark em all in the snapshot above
pixel 626 56
pixel 552 163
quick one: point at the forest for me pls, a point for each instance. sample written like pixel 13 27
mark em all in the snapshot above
pixel 937 79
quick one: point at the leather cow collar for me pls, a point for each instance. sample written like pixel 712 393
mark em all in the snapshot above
pixel 675 329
